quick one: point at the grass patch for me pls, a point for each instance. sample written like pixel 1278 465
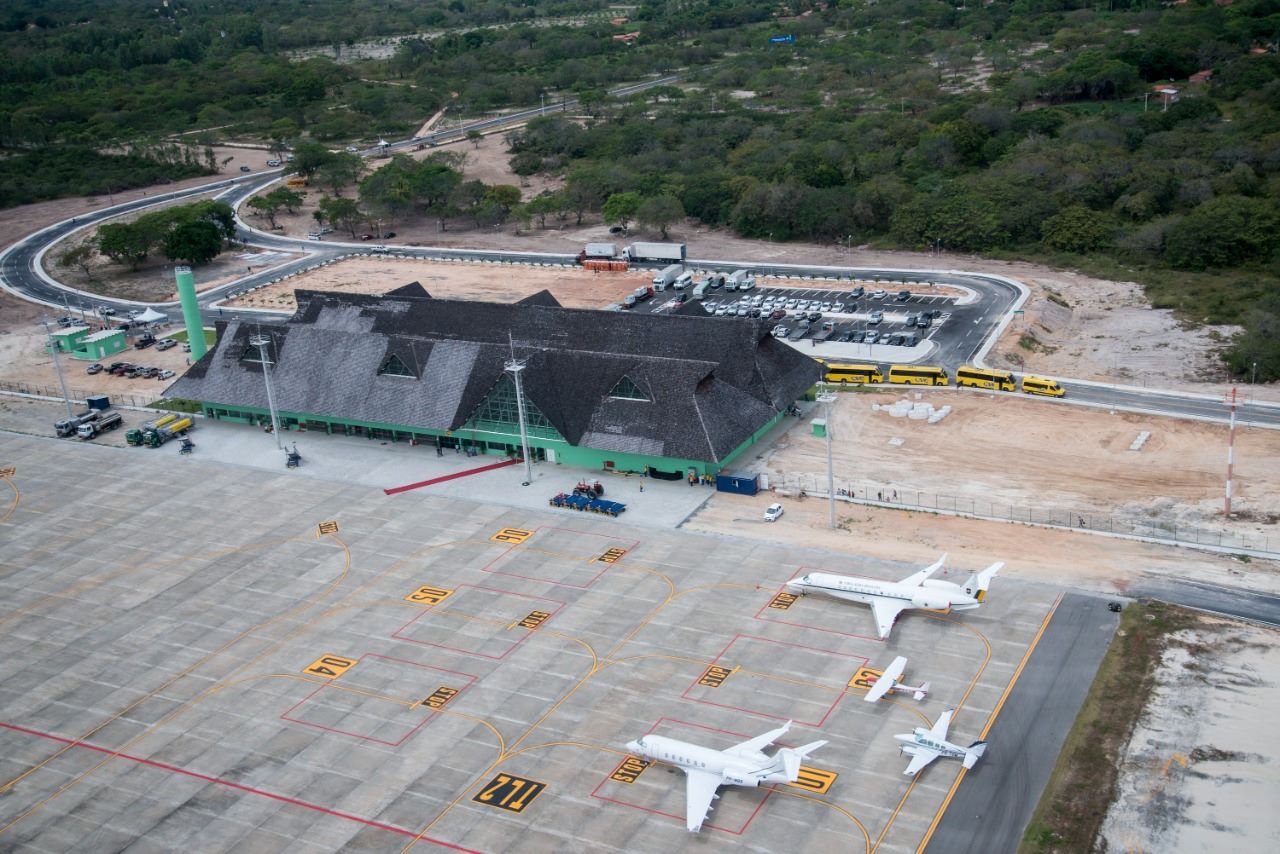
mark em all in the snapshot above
pixel 175 404
pixel 1083 783
pixel 210 336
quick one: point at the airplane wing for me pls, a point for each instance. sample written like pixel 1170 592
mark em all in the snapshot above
pixel 939 728
pixel 923 756
pixel 699 792
pixel 916 579
pixel 886 611
pixel 884 684
pixel 760 742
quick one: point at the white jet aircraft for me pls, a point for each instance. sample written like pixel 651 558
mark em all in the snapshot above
pixel 707 769
pixel 890 598
pixel 889 683
pixel 925 745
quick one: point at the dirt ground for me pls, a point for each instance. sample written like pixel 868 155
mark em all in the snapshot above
pixel 1031 453
pixel 1001 451
pixel 1199 772
pixel 495 282
pixel 24 360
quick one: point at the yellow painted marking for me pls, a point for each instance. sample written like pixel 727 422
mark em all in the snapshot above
pixel 514 536
pixel 535 619
pixel 329 527
pixel 816 780
pixel 630 769
pixel 865 677
pixel 330 666
pixel 783 601
pixel 509 793
pixel 946 802
pixel 611 556
pixel 1177 757
pixel 429 595
pixel 440 696
pixel 715 675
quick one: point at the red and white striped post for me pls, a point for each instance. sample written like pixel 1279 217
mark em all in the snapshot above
pixel 1231 452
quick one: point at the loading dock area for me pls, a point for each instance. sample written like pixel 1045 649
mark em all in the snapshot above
pixel 266 661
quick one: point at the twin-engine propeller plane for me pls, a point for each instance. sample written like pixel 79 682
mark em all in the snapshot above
pixel 925 745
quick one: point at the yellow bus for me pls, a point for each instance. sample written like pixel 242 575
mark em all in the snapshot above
pixel 841 372
pixel 917 375
pixel 1042 386
pixel 968 375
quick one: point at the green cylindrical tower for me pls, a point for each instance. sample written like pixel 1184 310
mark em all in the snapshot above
pixel 190 311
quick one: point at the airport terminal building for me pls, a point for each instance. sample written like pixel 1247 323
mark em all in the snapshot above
pixel 602 389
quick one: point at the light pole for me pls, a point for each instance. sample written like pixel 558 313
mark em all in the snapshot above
pixel 827 398
pixel 261 342
pixel 57 366
pixel 1253 377
pixel 515 366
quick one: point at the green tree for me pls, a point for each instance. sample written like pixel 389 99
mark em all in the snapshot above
pixel 308 157
pixel 475 137
pixel 1077 229
pixel 124 243
pixel 79 256
pixel 660 212
pixel 620 208
pixel 266 205
pixel 1257 347
pixel 287 198
pixel 197 242
pixel 340 211
pixel 953 218
pixel 1224 232
pixel 338 171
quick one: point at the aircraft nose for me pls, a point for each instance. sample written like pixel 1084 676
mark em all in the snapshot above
pixel 633 746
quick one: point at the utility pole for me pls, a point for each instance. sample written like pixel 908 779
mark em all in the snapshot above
pixel 57 366
pixel 261 342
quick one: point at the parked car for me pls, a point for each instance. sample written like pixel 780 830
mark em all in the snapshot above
pixel 186 347
pixel 777 314
pixel 857 293
pixel 107 311
pixel 875 317
pixel 95 368
pixel 143 343
pixel 845 338
pixel 273 162
pixel 351 149
pixel 164 375
pixel 910 340
pixel 879 294
pixel 772 512
pixel 387 235
pixel 903 296
pixel 837 308
pixel 924 321
pixel 166 344
pixel 245 169
pixel 781 331
pixel 366 237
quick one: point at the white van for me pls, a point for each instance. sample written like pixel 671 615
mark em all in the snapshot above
pixel 683 281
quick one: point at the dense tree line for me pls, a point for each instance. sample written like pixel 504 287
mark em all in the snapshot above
pixel 51 173
pixel 193 233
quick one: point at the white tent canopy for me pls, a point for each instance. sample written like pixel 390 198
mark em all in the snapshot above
pixel 150 316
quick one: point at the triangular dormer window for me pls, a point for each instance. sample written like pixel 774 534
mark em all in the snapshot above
pixel 626 389
pixel 394 367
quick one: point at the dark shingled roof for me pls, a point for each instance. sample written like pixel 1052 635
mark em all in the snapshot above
pixel 542 297
pixel 710 382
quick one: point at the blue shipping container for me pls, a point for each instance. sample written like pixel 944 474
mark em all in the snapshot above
pixel 740 484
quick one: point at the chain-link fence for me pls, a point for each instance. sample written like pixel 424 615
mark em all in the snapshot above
pixel 814 485
pixel 79 395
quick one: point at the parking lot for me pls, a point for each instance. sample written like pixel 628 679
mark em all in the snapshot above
pixel 888 324
pixel 262 661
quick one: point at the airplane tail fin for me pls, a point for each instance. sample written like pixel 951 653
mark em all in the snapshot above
pixel 974 753
pixel 791 758
pixel 979 582
pixel 922 692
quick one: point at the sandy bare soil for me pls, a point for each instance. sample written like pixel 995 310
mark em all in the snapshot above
pixel 1199 773
pixel 995 453
pixel 493 282
pixel 1020 453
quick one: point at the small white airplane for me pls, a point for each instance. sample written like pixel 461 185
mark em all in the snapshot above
pixel 888 683
pixel 707 769
pixel 890 598
pixel 925 745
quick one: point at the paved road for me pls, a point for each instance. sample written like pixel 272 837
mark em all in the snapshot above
pixel 1233 601
pixel 993 805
